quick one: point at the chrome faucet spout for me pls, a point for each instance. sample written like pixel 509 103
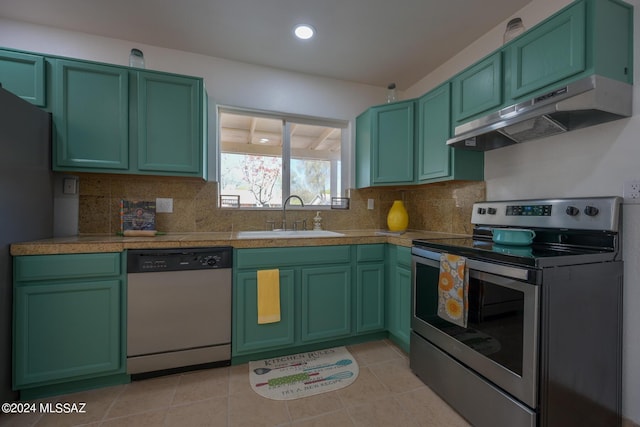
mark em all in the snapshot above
pixel 284 209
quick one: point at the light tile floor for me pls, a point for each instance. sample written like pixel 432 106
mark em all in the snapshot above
pixel 386 393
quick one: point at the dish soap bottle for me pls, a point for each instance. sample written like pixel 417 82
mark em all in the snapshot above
pixel 317 221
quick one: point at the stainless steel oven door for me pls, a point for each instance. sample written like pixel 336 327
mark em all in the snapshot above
pixel 500 341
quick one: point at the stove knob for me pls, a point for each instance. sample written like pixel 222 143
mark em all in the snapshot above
pixel 492 211
pixel 591 211
pixel 482 211
pixel 572 211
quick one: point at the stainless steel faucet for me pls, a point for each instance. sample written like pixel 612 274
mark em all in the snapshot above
pixel 284 209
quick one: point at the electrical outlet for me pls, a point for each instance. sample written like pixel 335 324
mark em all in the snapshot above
pixel 631 191
pixel 69 185
pixel 164 205
pixel 370 204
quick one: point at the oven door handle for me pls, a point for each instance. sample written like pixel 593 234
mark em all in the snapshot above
pixel 432 259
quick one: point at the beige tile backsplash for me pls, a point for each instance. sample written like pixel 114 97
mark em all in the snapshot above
pixel 442 207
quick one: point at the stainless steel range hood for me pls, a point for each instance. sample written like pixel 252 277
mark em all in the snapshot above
pixel 587 102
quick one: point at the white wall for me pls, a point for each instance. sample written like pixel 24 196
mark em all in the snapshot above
pixel 589 162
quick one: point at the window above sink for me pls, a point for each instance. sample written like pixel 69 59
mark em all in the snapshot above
pixel 265 157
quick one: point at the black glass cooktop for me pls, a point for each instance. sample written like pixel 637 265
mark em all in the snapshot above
pixel 537 254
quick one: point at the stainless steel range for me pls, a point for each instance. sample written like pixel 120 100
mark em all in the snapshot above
pixel 542 341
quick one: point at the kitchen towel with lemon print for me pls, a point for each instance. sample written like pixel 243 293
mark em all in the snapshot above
pixel 453 288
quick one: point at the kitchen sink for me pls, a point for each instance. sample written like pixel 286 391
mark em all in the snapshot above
pixel 286 234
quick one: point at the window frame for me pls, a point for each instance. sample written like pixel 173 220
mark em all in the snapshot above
pixel 288 119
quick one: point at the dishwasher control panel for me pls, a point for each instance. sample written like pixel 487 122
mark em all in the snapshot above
pixel 155 260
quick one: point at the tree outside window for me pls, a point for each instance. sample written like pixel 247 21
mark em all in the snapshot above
pixel 265 159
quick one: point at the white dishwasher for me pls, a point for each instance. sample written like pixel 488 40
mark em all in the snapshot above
pixel 178 309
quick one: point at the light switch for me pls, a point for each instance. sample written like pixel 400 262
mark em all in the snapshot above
pixel 370 204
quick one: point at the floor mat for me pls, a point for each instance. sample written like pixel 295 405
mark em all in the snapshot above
pixel 302 375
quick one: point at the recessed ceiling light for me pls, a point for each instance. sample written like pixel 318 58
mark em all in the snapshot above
pixel 263 140
pixel 304 31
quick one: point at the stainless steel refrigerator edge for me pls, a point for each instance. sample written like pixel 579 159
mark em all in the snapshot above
pixel 26 211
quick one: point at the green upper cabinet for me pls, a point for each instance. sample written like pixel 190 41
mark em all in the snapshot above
pixel 385 138
pixel 169 124
pixel 549 53
pixel 23 75
pixel 587 37
pixel 119 120
pixel 91 117
pixel 477 89
pixel 436 161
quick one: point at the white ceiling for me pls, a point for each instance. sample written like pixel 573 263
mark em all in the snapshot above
pixel 369 41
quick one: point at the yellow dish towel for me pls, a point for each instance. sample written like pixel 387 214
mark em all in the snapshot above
pixel 453 289
pixel 268 296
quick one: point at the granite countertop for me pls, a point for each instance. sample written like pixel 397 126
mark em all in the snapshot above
pixel 111 243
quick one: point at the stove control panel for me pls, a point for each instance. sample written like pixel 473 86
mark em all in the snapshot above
pixel 528 210
pixel 594 213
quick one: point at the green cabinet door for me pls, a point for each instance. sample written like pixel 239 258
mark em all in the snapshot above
pixel 91 117
pixel 67 331
pixel 325 308
pixel 116 120
pixel 478 89
pixel 249 336
pixel 434 128
pixel 370 288
pixel 393 128
pixel 385 138
pixel 330 295
pixel 399 296
pixel 23 75
pixel 370 297
pixel 69 326
pixel 403 308
pixel 436 161
pixel 169 124
pixel 549 52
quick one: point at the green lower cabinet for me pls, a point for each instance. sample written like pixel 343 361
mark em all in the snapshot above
pixel 249 336
pixel 370 293
pixel 326 302
pixel 329 295
pixel 66 331
pixel 69 325
pixel 399 287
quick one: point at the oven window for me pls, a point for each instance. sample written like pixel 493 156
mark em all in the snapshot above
pixel 495 325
